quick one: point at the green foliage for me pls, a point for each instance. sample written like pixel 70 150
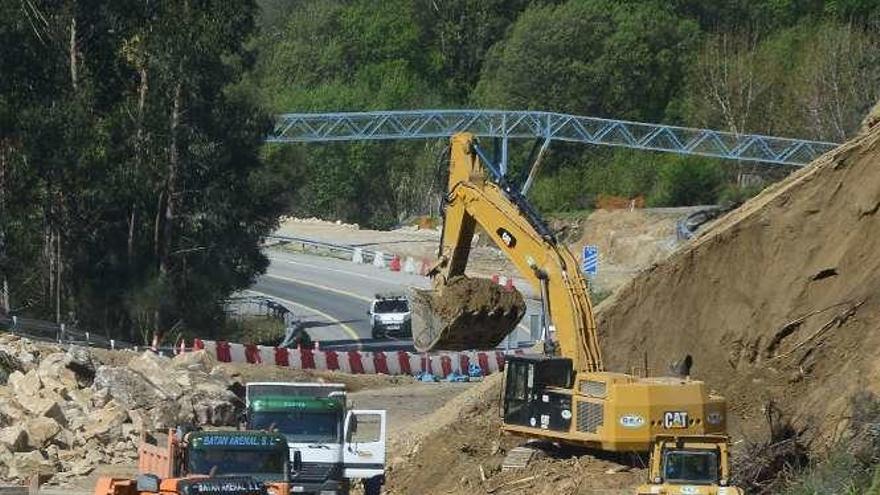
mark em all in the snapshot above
pixel 261 330
pixel 687 182
pixel 132 194
pixel 590 57
pixel 852 464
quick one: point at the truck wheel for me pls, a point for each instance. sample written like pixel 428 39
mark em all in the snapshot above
pixel 373 486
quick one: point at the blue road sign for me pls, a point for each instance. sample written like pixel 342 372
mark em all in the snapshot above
pixel 590 263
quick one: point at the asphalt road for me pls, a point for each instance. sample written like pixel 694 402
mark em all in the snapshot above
pixel 332 296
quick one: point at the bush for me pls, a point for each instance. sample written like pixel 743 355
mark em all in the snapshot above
pixel 687 181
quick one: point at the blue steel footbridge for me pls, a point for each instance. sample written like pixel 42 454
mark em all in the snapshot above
pixel 546 127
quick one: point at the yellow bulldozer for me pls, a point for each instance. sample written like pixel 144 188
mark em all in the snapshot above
pixel 563 394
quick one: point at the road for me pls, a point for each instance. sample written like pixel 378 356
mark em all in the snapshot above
pixel 332 296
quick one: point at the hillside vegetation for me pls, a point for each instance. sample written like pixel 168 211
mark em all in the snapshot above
pixel 800 68
pixel 135 187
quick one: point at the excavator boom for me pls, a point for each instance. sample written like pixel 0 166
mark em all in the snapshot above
pixel 490 312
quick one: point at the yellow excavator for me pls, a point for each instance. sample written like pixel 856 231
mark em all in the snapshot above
pixel 562 394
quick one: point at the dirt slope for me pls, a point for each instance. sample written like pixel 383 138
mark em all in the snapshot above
pixel 779 300
pixel 459 448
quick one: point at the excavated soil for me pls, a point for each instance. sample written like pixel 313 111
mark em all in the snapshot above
pixel 779 301
pixel 467 313
pixel 459 449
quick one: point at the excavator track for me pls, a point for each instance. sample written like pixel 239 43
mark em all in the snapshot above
pixel 464 314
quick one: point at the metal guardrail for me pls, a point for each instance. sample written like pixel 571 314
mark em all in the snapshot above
pixel 261 306
pixel 339 250
pixel 63 334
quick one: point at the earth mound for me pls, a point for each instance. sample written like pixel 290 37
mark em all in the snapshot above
pixel 778 301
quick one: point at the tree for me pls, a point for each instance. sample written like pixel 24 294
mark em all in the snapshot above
pixel 590 57
pixel 137 158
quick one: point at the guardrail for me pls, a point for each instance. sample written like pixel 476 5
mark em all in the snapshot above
pixel 340 250
pixel 59 333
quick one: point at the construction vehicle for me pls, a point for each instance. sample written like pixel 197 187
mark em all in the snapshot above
pixel 208 462
pixel 563 394
pixel 336 445
pixel 690 465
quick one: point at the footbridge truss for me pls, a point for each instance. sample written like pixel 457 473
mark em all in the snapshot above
pixel 545 126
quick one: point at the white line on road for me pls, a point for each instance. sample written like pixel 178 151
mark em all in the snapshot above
pixel 320 287
pixel 350 331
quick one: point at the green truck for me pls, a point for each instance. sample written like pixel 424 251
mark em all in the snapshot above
pixel 337 446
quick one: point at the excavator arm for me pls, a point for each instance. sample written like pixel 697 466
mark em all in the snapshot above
pixel 474 198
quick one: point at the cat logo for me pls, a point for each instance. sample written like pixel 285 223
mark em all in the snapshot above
pixel 675 419
pixel 506 237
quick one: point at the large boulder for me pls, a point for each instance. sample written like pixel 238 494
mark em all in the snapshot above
pixel 25 385
pixel 212 403
pixel 194 361
pixel 128 387
pixel 105 425
pixel 8 364
pixel 23 465
pixel 14 438
pixel 82 364
pixel 158 371
pixel 11 411
pixel 55 374
pixel 40 431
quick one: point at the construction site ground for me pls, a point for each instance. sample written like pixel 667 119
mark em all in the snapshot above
pixel 443 438
pixel 777 303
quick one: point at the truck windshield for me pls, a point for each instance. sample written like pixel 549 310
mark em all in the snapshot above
pixel 299 426
pixel 392 306
pixel 264 464
pixel 691 466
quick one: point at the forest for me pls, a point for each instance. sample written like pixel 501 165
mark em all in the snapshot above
pixel 136 189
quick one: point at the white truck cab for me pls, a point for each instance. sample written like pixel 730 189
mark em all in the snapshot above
pixel 337 445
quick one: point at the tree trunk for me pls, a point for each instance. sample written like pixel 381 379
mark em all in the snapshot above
pixel 4 300
pixel 170 194
pixel 59 267
pixel 73 70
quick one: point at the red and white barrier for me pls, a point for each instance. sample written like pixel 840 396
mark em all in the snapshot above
pixel 356 362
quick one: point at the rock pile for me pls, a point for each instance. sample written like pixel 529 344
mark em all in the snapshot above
pixel 62 413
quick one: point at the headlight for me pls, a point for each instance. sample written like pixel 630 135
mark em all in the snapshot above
pixel 657 480
pixel 272 490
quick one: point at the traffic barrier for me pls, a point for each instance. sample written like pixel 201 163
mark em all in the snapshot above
pixel 379 259
pixel 357 256
pixel 394 266
pixel 425 267
pixel 410 265
pixel 356 362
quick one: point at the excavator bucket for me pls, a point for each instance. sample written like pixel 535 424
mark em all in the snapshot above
pixel 466 313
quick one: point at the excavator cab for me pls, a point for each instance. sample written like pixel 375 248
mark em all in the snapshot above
pixel 535 392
